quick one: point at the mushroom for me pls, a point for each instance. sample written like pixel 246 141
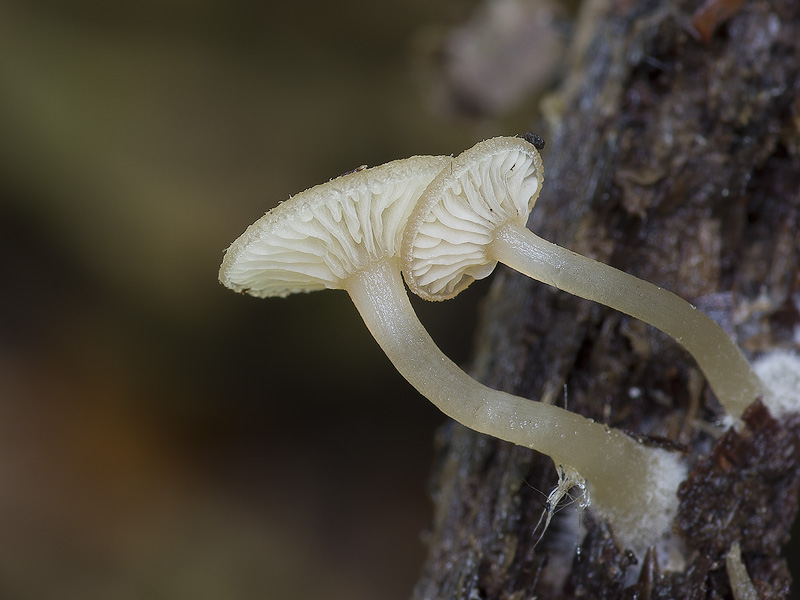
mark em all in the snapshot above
pixel 346 234
pixel 473 215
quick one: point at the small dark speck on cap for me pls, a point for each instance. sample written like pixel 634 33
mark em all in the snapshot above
pixel 533 138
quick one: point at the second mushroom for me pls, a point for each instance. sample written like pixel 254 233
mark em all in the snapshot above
pixel 473 216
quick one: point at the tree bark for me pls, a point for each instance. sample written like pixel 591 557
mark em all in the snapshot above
pixel 673 153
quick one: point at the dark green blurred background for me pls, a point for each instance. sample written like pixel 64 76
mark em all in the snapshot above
pixel 161 437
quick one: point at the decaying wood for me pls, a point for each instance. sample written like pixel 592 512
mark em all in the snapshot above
pixel 676 158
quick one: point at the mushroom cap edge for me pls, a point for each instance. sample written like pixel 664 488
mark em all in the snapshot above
pixel 316 238
pixel 445 239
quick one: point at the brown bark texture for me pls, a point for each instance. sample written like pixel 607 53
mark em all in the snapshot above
pixel 673 153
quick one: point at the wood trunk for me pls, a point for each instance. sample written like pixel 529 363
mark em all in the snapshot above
pixel 673 153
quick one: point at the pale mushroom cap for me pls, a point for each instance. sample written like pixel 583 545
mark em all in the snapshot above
pixel 445 242
pixel 319 237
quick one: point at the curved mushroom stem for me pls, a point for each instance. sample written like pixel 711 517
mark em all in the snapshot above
pixel 631 485
pixel 726 369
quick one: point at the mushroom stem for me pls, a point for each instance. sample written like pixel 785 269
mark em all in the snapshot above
pixel 726 369
pixel 631 485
